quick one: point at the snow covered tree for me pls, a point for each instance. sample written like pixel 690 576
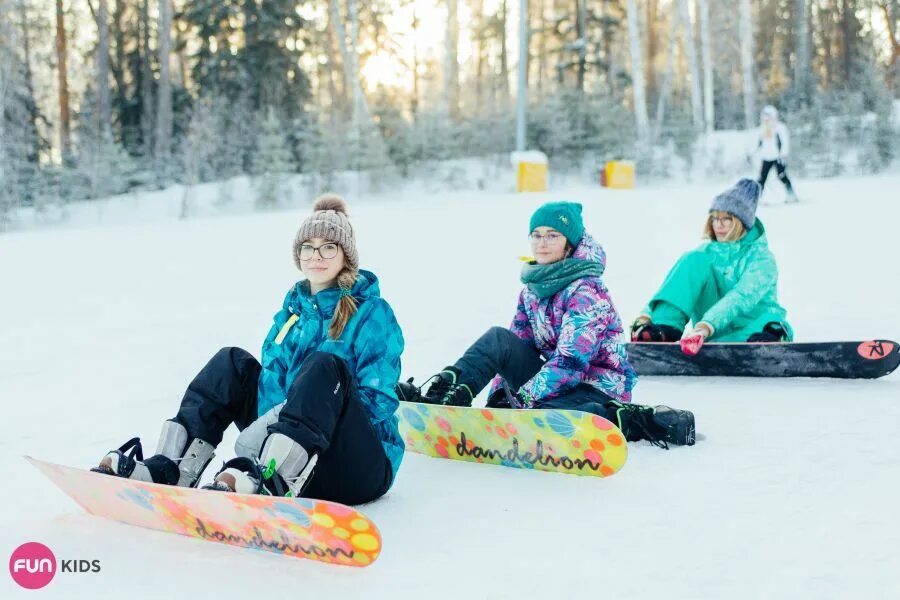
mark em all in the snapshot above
pixel 104 164
pixel 272 162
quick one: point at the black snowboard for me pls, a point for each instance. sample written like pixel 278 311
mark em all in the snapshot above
pixel 844 360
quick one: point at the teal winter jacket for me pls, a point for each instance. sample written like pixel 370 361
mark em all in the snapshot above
pixel 371 345
pixel 742 295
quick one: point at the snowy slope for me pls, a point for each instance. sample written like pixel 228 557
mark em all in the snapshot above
pixel 790 492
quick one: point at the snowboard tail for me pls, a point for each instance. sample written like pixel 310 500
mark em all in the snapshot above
pixel 843 360
pixel 300 527
pixel 562 441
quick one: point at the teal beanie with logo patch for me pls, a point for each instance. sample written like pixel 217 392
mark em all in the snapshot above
pixel 565 217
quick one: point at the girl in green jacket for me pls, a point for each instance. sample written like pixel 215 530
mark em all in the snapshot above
pixel 727 288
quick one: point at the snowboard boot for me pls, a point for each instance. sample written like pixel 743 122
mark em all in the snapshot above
pixel 659 425
pixel 773 332
pixel 283 469
pixel 407 391
pixel 446 390
pixel 502 397
pixel 178 460
pixel 651 332
pixel 241 474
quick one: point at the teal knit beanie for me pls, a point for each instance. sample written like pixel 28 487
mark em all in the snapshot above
pixel 565 217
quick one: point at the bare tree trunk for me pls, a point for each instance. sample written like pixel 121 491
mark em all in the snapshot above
pixel 637 72
pixel 801 44
pixel 706 53
pixel 451 68
pixel 164 95
pixel 693 66
pixel 891 31
pixel 746 41
pixel 29 81
pixel 670 70
pixel 607 50
pixel 147 105
pixel 63 78
pixel 414 101
pixel 581 29
pixel 5 76
pixel 338 98
pixel 542 46
pixel 359 99
pixel 179 54
pixel 104 108
pixel 350 59
pixel 504 56
pixel 652 47
pixel 824 22
pixel 118 65
pixel 892 38
pixel 479 49
pixel 847 33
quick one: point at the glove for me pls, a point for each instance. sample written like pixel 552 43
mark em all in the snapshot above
pixel 521 400
pixel 694 339
pixel 637 326
pixel 771 333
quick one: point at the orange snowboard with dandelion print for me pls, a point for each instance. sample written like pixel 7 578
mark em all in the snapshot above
pixel 300 527
pixel 561 441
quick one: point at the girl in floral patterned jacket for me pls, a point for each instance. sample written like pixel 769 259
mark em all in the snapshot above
pixel 562 349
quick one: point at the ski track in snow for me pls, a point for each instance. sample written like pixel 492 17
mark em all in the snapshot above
pixel 790 492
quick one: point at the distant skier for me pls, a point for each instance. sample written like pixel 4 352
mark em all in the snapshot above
pixel 773 147
pixel 728 287
pixel 561 350
pixel 319 410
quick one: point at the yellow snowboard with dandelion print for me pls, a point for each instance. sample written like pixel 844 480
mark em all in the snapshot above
pixel 561 441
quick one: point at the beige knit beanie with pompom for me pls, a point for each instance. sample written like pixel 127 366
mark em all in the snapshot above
pixel 329 221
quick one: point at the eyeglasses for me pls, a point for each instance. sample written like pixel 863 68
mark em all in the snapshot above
pixel 726 220
pixel 326 251
pixel 551 238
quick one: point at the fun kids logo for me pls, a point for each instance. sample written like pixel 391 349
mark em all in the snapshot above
pixel 33 565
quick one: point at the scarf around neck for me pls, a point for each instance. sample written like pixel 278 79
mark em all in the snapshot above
pixel 546 280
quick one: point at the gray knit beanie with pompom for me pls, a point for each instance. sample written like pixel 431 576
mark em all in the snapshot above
pixel 329 221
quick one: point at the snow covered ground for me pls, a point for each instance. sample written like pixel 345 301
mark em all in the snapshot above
pixel 790 492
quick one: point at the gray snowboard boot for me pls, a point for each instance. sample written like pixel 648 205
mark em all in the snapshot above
pixel 283 469
pixel 176 462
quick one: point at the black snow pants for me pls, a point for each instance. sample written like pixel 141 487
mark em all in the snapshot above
pixel 323 413
pixel 782 174
pixel 500 352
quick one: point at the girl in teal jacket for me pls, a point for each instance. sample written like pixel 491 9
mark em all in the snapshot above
pixel 728 287
pixel 316 415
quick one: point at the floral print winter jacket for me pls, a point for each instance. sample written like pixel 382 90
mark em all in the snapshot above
pixel 576 330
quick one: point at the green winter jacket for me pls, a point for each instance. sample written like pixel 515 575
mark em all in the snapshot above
pixel 732 286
